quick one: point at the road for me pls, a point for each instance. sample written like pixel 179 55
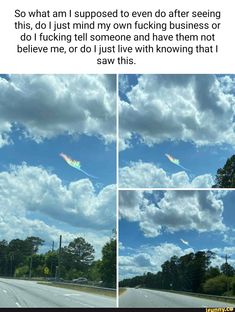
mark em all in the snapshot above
pixel 160 299
pixel 19 293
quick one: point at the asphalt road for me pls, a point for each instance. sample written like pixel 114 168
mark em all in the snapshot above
pixel 160 299
pixel 18 293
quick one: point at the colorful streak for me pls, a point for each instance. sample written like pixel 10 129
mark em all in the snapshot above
pixel 75 164
pixel 175 161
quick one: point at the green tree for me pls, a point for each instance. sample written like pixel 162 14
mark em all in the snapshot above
pixel 16 254
pixel 108 265
pixel 94 271
pixel 32 244
pixel 3 257
pixel 217 285
pixel 22 271
pixel 77 256
pixel 227 269
pixel 212 272
pixel 225 177
pixel 51 261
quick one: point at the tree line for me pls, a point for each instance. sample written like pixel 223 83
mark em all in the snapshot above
pixel 192 272
pixel 21 259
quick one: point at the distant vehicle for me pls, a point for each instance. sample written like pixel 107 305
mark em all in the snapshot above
pixel 80 280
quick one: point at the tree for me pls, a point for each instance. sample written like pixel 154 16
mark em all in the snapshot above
pixel 3 257
pixel 51 261
pixel 217 285
pixel 76 258
pixel 82 252
pixel 212 272
pixel 227 269
pixel 108 265
pixel 16 254
pixel 225 177
pixel 32 244
pixel 94 271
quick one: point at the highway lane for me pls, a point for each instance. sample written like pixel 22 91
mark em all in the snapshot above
pixel 160 299
pixel 19 293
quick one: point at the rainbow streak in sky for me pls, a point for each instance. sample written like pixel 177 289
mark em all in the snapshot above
pixel 175 161
pixel 75 164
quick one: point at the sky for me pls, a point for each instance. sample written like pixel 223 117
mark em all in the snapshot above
pixel 153 224
pixel 190 117
pixel 40 194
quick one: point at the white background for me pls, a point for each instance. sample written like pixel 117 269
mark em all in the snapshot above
pixel 223 62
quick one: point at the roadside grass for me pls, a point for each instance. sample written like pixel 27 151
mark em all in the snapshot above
pixel 121 291
pixel 91 290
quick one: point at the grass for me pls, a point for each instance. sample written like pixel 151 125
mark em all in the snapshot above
pixel 121 291
pixel 87 289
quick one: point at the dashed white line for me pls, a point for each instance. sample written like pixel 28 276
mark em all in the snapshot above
pixel 18 305
pixel 68 295
pixel 4 290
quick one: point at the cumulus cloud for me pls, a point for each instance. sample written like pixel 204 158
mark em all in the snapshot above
pixel 31 199
pixel 148 259
pixel 220 256
pixel 129 205
pixel 145 175
pixel 27 188
pixel 176 210
pixel 191 108
pixel 50 105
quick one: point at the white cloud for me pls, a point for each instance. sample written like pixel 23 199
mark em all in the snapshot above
pixel 220 256
pixel 31 199
pixel 149 259
pixel 129 205
pixel 50 105
pixel 144 175
pixel 192 108
pixel 176 210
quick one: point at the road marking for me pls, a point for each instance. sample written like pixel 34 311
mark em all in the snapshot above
pixel 145 296
pixel 4 290
pixel 68 295
pixel 18 305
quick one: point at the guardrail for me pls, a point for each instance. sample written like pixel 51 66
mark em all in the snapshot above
pixel 206 296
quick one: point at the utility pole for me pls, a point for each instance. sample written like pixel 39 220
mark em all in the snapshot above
pixel 226 270
pixel 30 266
pixel 11 259
pixel 52 249
pixel 59 258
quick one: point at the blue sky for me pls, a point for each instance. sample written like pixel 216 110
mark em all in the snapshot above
pixel 190 117
pixel 151 227
pixel 40 194
pixel 96 158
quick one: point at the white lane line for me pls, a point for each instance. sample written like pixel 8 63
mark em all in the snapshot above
pixel 18 305
pixel 145 296
pixel 4 290
pixel 68 295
